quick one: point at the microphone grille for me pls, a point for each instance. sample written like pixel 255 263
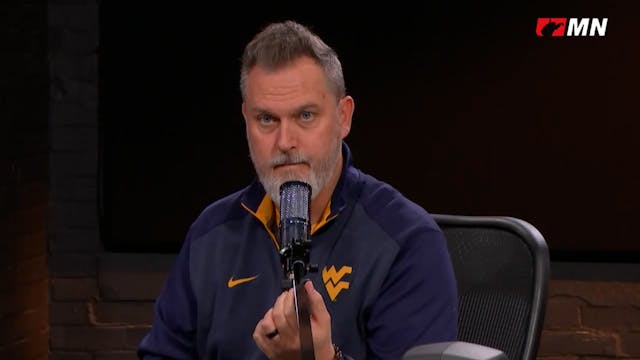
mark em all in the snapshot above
pixel 295 197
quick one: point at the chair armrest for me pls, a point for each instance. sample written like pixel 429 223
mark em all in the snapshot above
pixel 453 350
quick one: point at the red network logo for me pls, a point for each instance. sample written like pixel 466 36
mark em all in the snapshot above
pixel 548 27
pixel 572 27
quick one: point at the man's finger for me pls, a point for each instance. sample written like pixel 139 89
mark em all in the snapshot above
pixel 266 325
pixel 289 310
pixel 320 323
pixel 281 314
pixel 317 308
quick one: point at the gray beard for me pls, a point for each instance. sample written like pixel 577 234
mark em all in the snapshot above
pixel 317 177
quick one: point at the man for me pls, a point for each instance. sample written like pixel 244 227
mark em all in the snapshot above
pixel 385 282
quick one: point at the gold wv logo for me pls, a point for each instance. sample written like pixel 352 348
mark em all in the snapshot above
pixel 332 280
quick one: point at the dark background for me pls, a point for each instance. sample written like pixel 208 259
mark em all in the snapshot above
pixel 460 107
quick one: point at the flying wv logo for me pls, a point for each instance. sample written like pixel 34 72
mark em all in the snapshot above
pixel 332 280
pixel 571 27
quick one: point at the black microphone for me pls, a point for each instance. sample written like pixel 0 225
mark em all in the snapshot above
pixel 295 240
pixel 295 229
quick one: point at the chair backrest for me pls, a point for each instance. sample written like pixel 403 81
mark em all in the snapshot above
pixel 502 268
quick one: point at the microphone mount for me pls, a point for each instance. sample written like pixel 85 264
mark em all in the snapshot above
pixel 295 238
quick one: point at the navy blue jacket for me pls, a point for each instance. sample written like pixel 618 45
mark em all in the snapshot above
pixel 384 273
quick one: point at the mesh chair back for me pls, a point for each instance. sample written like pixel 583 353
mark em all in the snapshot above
pixel 502 269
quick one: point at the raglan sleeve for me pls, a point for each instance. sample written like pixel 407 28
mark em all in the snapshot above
pixel 417 303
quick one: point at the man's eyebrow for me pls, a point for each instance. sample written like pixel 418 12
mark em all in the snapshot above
pixel 297 110
pixel 307 107
pixel 258 110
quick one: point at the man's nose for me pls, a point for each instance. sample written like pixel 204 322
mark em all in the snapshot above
pixel 287 135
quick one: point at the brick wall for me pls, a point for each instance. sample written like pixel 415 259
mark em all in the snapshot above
pixel 98 300
pixel 103 313
pixel 592 319
pixel 23 181
pixel 101 302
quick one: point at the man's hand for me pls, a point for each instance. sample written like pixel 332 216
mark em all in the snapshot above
pixel 277 334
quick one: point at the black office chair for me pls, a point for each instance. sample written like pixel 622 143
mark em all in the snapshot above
pixel 502 269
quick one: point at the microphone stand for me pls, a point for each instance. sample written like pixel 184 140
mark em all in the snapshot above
pixel 294 257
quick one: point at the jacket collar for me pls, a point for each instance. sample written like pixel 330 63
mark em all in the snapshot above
pixel 259 204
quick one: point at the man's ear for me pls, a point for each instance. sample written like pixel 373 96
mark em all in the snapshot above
pixel 244 111
pixel 345 112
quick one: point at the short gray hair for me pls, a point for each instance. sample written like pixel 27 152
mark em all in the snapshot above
pixel 279 44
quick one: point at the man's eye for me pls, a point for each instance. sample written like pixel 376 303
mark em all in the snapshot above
pixel 306 115
pixel 265 119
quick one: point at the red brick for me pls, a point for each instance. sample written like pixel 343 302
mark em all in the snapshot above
pixel 23 245
pixel 33 194
pixel 67 355
pixel 86 338
pixel 68 188
pixel 69 313
pixel 23 272
pixel 630 343
pixel 73 163
pixel 576 343
pixel 116 355
pixel 556 357
pixel 80 91
pixel 611 318
pixel 76 40
pixel 73 265
pixel 73 138
pixel 35 166
pixel 25 324
pixel 75 241
pixel 32 149
pixel 33 347
pixel 598 293
pixel 131 313
pixel 74 289
pixel 73 214
pixel 135 335
pixel 26 223
pixel 141 285
pixel 66 114
pixel 562 313
pixel 24 297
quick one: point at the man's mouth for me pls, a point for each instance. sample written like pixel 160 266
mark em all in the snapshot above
pixel 288 165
